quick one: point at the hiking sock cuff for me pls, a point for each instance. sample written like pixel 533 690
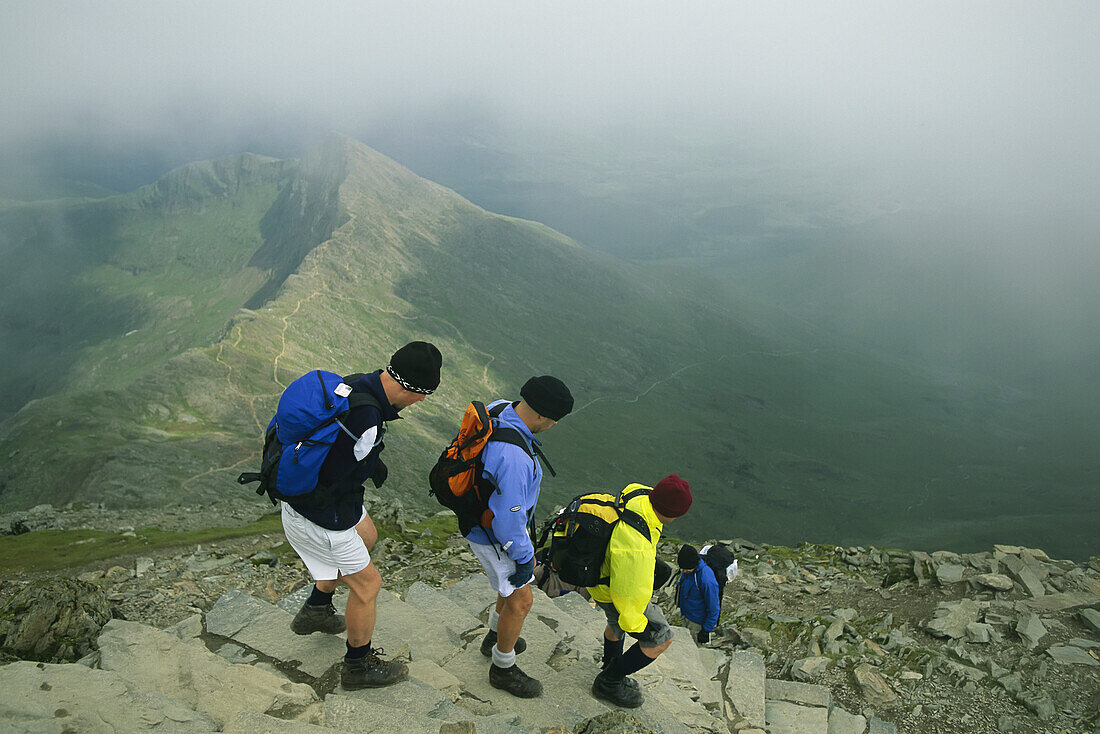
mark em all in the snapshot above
pixel 503 659
pixel 612 650
pixel 318 598
pixel 354 653
pixel 633 660
pixel 494 617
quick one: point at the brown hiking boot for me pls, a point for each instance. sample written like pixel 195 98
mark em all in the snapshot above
pixel 311 619
pixel 619 692
pixel 514 681
pixel 371 672
pixel 491 640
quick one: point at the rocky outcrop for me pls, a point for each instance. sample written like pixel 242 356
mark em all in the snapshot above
pixel 856 640
pixel 53 620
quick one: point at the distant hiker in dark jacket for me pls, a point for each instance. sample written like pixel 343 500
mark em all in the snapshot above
pixel 697 594
pixel 626 600
pixel 506 550
pixel 333 533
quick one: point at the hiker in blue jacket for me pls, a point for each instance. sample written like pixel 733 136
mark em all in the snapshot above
pixel 697 594
pixel 506 550
pixel 330 529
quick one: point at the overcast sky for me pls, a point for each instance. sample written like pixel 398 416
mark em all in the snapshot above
pixel 1013 78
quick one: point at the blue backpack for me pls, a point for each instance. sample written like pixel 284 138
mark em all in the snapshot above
pixel 299 436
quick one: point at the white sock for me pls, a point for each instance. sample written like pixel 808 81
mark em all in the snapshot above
pixel 503 660
pixel 494 617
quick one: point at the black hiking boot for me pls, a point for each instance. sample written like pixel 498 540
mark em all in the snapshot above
pixel 620 692
pixel 371 672
pixel 515 681
pixel 311 619
pixel 491 639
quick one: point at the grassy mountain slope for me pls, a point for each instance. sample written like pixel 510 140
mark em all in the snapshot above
pixel 783 435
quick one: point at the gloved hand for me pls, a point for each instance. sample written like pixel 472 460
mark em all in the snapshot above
pixel 703 637
pixel 380 474
pixel 524 572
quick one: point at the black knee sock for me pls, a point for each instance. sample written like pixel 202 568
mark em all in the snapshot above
pixel 319 598
pixel 612 651
pixel 632 661
pixel 357 652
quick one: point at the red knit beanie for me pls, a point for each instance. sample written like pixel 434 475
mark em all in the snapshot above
pixel 671 496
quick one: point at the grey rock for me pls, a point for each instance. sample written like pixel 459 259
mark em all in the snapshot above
pixel 996 581
pixel 979 632
pixel 755 637
pixel 1091 617
pixel 809 668
pixel 266 629
pixel 186 671
pixel 1031 630
pixel 878 726
pixel 951 618
pixel 949 573
pixel 842 722
pixel 876 691
pixel 803 694
pixel 56 698
pixel 187 628
pixel 250 722
pixel 613 722
pixel 784 717
pixel 1064 602
pixel 1011 683
pixel 1070 655
pixel 745 686
pixel 54 619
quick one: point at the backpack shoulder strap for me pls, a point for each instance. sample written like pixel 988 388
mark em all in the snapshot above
pixel 632 517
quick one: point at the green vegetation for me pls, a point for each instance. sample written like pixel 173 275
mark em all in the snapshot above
pixel 48 550
pixel 786 434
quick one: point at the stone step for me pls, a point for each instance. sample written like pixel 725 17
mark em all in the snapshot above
pixel 745 686
pixel 266 628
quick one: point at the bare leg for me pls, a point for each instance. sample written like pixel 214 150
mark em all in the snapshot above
pixel 367 531
pixel 513 610
pixel 360 614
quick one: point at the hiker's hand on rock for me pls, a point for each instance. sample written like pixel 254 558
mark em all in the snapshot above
pixel 524 573
pixel 703 637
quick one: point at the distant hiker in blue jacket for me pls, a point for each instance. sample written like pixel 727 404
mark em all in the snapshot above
pixel 329 527
pixel 506 550
pixel 697 594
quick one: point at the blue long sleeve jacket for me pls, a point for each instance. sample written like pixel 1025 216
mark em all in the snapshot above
pixel 697 593
pixel 518 478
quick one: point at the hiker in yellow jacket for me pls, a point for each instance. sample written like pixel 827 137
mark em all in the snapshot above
pixel 626 599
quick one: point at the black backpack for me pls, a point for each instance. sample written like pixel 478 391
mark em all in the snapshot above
pixel 718 557
pixel 580 532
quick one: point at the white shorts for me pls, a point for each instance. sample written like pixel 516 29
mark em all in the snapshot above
pixel 327 554
pixel 498 567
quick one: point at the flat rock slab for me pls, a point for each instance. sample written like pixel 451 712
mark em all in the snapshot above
pixel 249 722
pixel 878 726
pixel 803 694
pixel 784 717
pixel 745 686
pixel 1068 601
pixel 1091 618
pixel 473 593
pixel 40 697
pixel 187 672
pixel 398 624
pixel 413 696
pixel 842 722
pixel 681 662
pixel 1070 655
pixel 433 603
pixel 266 628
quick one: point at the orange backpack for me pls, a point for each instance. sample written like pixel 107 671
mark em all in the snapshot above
pixel 457 479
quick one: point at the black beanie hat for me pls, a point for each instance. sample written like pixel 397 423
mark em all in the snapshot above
pixel 415 367
pixel 687 558
pixel 548 396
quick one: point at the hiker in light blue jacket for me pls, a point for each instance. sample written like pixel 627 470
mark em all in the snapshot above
pixel 505 550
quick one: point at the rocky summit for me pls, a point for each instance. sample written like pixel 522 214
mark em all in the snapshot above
pixel 812 640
